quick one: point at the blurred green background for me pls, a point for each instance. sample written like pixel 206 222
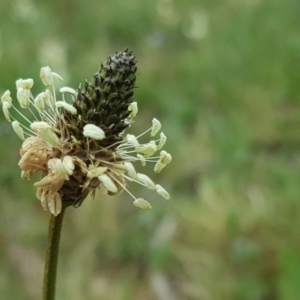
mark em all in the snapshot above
pixel 223 78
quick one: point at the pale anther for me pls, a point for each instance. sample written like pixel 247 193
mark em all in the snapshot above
pixel 96 172
pixel 162 192
pixel 156 126
pixel 57 76
pixel 6 98
pixel 142 204
pixel 70 108
pixel 24 83
pixel 39 102
pixel 159 166
pixel 141 159
pixel 130 169
pixel 162 141
pixel 131 139
pixel 6 106
pixel 147 149
pixel 66 89
pixel 146 181
pixel 18 129
pixel 23 96
pixel 165 157
pixel 108 183
pixel 93 131
pixel 68 164
pixel 133 108
pixel 46 76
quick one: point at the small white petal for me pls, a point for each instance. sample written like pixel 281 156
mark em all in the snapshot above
pixel 66 89
pixel 6 98
pixel 93 131
pixel 55 203
pixel 147 149
pixel 23 96
pixel 131 139
pixel 57 76
pixel 18 129
pixel 24 83
pixel 108 183
pixel 133 108
pixel 6 106
pixel 39 101
pixel 142 203
pixel 130 169
pixel 161 191
pixel 96 172
pixel 146 181
pixel 68 164
pixel 70 108
pixel 159 166
pixel 46 76
pixel 162 141
pixel 156 126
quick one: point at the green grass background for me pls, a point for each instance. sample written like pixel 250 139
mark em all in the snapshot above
pixel 223 77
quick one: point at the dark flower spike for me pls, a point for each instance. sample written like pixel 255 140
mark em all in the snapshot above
pixel 79 146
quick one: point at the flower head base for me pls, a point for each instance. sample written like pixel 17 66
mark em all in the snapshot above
pixel 78 145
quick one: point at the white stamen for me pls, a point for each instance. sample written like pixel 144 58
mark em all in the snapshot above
pixel 93 131
pixel 6 98
pixel 131 139
pixel 142 203
pixel 39 102
pixel 147 149
pixel 158 166
pixel 162 141
pixel 108 183
pixel 134 109
pixel 26 84
pixel 165 157
pixel 18 129
pixel 68 164
pixel 66 89
pixel 46 76
pixel 6 106
pixel 142 159
pixel 70 108
pixel 146 181
pixel 57 76
pixel 156 126
pixel 23 96
pixel 96 172
pixel 130 169
pixel 45 132
pixel 161 191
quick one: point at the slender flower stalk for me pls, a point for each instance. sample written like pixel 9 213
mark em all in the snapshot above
pixel 76 140
pixel 54 232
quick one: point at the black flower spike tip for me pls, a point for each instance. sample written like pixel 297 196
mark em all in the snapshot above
pixel 104 101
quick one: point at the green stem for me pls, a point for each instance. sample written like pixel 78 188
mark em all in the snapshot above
pixel 55 226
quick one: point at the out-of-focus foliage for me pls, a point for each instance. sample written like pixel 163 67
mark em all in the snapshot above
pixel 223 78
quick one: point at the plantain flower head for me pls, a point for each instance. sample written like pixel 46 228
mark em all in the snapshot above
pixel 76 140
